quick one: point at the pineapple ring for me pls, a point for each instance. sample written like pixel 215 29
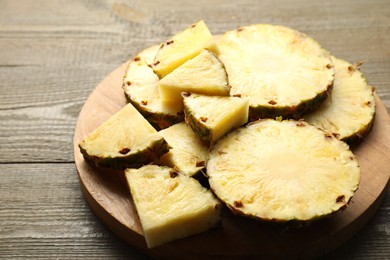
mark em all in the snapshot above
pixel 349 112
pixel 283 72
pixel 283 171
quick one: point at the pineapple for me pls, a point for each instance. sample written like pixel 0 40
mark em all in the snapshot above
pixel 211 116
pixel 203 74
pixel 282 171
pixel 170 205
pixel 182 47
pixel 125 140
pixel 140 84
pixel 349 112
pixel 283 72
pixel 187 154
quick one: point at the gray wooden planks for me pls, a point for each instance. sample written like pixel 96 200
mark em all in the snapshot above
pixel 53 54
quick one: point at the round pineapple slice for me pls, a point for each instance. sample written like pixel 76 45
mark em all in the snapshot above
pixel 283 72
pixel 350 111
pixel 282 171
pixel 140 84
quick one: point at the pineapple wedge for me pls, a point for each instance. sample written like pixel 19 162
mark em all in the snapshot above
pixel 203 74
pixel 350 111
pixel 187 154
pixel 282 171
pixel 283 72
pixel 183 46
pixel 170 205
pixel 125 140
pixel 211 116
pixel 140 84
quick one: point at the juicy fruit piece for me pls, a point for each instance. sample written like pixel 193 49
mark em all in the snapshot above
pixel 140 84
pixel 283 170
pixel 170 205
pixel 350 111
pixel 283 72
pixel 187 154
pixel 203 74
pixel 182 47
pixel 211 116
pixel 125 140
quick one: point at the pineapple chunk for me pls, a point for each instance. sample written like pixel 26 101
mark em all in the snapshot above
pixel 211 116
pixel 187 153
pixel 141 89
pixel 283 72
pixel 182 47
pixel 350 111
pixel 170 205
pixel 283 170
pixel 204 74
pixel 125 140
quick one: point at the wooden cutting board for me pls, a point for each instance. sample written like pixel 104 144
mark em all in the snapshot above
pixel 107 194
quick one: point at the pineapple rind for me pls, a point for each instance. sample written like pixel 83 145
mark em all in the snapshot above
pixel 126 130
pixel 282 171
pixel 283 72
pixel 140 85
pixel 349 112
pixel 182 47
pixel 187 154
pixel 171 205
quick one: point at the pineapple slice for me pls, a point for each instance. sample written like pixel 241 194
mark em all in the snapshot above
pixel 182 47
pixel 350 111
pixel 125 140
pixel 283 170
pixel 283 72
pixel 211 116
pixel 140 84
pixel 204 74
pixel 171 205
pixel 187 153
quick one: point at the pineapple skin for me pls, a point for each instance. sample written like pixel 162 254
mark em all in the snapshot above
pixel 204 132
pixel 294 112
pixel 134 160
pixel 158 120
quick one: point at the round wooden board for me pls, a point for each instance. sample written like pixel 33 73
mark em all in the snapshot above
pixel 108 196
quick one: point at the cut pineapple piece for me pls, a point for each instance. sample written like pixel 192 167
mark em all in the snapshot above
pixel 283 72
pixel 283 170
pixel 204 74
pixel 349 112
pixel 187 153
pixel 182 47
pixel 170 205
pixel 141 89
pixel 125 140
pixel 211 116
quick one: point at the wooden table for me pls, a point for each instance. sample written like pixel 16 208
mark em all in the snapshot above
pixel 54 53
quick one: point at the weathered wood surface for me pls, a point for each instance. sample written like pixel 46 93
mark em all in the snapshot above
pixel 53 53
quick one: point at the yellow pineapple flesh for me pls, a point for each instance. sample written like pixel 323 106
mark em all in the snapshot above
pixel 203 74
pixel 183 46
pixel 282 171
pixel 171 205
